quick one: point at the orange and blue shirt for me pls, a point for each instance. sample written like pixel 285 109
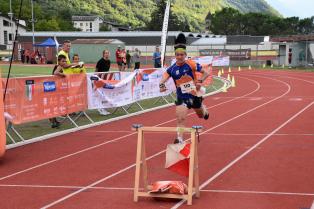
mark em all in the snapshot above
pixel 185 78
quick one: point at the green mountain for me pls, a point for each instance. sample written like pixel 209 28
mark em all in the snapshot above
pixel 56 15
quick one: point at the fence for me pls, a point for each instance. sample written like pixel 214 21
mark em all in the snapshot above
pixel 27 121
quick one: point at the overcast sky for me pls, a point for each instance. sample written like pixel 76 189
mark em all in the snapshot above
pixel 299 8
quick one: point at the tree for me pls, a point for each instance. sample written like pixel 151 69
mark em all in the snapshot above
pixel 50 25
pixel 175 22
pixel 226 21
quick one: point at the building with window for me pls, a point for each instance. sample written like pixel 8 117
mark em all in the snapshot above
pixel 7 31
pixel 87 23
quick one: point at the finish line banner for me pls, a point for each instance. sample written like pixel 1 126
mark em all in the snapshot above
pixel 133 87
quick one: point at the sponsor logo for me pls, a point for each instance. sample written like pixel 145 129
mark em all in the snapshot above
pixel 29 89
pixel 145 77
pixel 49 86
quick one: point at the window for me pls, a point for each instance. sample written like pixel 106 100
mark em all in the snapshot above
pixel 10 37
pixel 75 24
pixel 87 24
pixel 6 23
pixel 5 35
pixel 81 24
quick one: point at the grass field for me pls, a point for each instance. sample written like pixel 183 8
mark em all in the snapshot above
pixel 30 70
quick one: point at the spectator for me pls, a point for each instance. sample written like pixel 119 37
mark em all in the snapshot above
pixel 136 58
pixel 58 71
pixel 33 57
pixel 119 58
pixel 23 55
pixel 103 65
pixel 128 59
pixel 123 56
pixel 79 66
pixel 66 47
pixel 27 55
pixel 157 58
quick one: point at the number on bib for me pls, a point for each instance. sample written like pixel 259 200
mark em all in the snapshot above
pixel 188 87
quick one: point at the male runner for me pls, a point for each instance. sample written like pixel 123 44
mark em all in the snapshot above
pixel 183 72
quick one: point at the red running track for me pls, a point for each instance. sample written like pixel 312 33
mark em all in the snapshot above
pixel 256 153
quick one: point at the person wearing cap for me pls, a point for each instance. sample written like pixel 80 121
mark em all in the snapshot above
pixel 119 58
pixel 183 72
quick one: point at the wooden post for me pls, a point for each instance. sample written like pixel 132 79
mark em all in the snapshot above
pixel 138 164
pixel 191 167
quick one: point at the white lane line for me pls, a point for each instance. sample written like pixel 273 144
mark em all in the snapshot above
pixel 259 192
pixel 62 187
pixel 247 152
pixel 259 134
pixel 118 172
pixel 122 137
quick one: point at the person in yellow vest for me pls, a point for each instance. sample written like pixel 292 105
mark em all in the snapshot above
pixel 66 47
pixel 78 68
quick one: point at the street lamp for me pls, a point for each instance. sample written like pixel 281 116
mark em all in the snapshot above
pixel 33 23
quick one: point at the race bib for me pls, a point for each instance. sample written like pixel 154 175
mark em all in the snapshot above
pixel 188 87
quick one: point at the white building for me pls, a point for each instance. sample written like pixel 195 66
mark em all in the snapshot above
pixel 7 31
pixel 87 23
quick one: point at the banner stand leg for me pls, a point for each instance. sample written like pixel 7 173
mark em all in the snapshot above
pixel 17 133
pixel 83 113
pixel 161 98
pixel 135 103
pixel 72 121
pixel 11 138
pixel 87 116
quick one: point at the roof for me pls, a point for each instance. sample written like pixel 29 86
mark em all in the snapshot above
pixel 293 38
pixel 210 41
pixel 97 41
pixel 85 18
pixel 101 34
pixel 245 39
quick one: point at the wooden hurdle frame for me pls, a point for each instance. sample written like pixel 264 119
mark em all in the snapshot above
pixel 141 165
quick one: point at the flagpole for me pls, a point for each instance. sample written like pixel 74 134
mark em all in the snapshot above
pixel 165 33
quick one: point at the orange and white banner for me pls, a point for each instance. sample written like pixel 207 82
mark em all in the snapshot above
pixel 139 85
pixel 36 98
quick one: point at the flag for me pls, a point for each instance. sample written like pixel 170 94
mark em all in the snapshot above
pixel 164 33
pixel 178 158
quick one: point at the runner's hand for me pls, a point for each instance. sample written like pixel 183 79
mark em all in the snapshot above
pixel 198 86
pixel 162 87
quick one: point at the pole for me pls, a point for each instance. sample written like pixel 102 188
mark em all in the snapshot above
pixel 164 34
pixel 11 22
pixel 33 23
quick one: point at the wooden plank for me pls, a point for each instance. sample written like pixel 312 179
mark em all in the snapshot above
pixel 144 163
pixel 174 196
pixel 196 172
pixel 167 129
pixel 138 165
pixel 191 169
